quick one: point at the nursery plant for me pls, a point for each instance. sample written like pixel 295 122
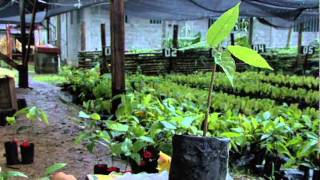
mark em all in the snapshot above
pixel 26 148
pixel 6 175
pixel 207 158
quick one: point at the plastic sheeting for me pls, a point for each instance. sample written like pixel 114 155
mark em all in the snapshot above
pixel 283 12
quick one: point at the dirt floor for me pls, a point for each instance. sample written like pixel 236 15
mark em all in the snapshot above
pixel 53 143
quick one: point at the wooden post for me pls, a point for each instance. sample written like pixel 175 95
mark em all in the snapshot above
pixel 232 39
pixel 299 44
pixel 103 64
pixel 31 28
pixel 48 30
pixel 23 69
pixel 83 36
pixel 250 30
pixel 175 39
pixel 117 50
pixel 58 44
pixel 289 38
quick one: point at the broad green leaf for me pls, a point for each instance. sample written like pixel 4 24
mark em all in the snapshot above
pixel 228 65
pixel 146 139
pixel 10 174
pixel 223 26
pixel 137 146
pixel 186 122
pixel 117 126
pixel 95 117
pixel 54 168
pixel 83 115
pixel 249 56
pixel 44 117
pixel 168 125
pixel 11 120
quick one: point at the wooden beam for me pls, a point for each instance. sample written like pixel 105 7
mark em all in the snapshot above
pixel 23 69
pixel 117 50
pixel 175 38
pixel 9 61
pixel 103 64
pixel 250 30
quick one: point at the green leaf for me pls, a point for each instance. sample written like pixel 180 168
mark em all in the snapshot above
pixel 228 65
pixel 223 26
pixel 54 168
pixel 83 115
pixel 117 126
pixel 186 122
pixel 230 134
pixel 168 125
pixel 10 174
pixel 95 117
pixel 137 146
pixel 11 120
pixel 146 139
pixel 249 56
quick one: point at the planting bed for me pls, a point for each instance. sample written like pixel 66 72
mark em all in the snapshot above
pixel 262 130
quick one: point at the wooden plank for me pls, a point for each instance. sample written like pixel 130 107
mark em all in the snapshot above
pixel 9 61
pixel 117 50
pixel 8 99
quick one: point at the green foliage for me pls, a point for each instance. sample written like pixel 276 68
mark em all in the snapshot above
pixel 6 175
pixel 249 56
pixel 53 169
pixel 31 113
pixel 223 26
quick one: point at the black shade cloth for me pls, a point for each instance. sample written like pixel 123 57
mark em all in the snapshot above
pixel 283 12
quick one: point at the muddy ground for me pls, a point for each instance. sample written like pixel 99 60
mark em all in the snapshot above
pixel 53 143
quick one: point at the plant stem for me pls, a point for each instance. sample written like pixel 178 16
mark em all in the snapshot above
pixel 206 122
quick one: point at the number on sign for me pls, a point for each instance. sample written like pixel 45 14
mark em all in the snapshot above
pixel 170 52
pixel 108 50
pixel 307 50
pixel 259 47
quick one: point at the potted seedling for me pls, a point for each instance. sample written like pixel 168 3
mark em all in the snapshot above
pixel 204 158
pixel 26 148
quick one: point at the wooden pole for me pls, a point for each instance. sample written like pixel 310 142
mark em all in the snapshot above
pixel 23 69
pixel 26 58
pixel 103 65
pixel 58 44
pixel 175 39
pixel 250 31
pixel 48 30
pixel 299 44
pixel 117 50
pixel 83 36
pixel 289 38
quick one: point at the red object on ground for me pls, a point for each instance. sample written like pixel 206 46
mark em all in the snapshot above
pixel 25 144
